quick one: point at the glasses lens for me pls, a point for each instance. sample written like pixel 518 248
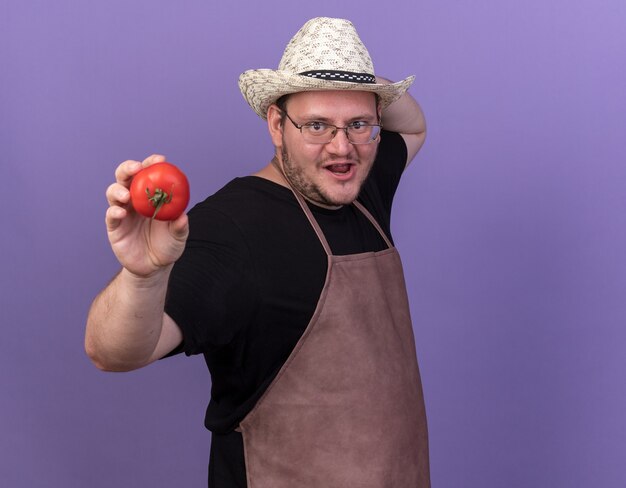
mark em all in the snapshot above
pixel 320 133
pixel 317 133
pixel 363 134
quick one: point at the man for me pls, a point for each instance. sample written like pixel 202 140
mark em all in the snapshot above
pixel 288 283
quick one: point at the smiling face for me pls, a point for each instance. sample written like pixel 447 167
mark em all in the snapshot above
pixel 329 175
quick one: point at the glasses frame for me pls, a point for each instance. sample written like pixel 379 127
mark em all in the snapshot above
pixel 336 129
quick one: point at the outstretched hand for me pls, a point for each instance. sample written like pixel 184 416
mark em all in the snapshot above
pixel 142 245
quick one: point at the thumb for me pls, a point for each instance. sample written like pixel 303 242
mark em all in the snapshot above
pixel 179 228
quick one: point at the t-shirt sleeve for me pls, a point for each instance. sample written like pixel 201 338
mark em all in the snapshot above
pixel 388 166
pixel 211 294
pixel 381 185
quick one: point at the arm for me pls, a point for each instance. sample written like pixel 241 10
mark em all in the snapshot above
pixel 405 116
pixel 126 326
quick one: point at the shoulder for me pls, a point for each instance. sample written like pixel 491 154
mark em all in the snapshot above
pixel 392 149
pixel 242 202
pixel 386 172
pixel 243 196
pixel 249 212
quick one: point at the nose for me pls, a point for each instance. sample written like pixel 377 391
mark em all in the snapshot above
pixel 340 143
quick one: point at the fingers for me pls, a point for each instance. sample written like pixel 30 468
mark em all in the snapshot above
pixel 118 198
pixel 124 172
pixel 113 217
pixel 118 194
pixel 155 158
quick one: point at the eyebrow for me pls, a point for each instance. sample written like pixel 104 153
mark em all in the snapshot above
pixel 313 117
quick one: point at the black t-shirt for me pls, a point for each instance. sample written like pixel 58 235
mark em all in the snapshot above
pixel 249 280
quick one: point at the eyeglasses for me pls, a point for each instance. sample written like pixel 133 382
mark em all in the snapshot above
pixel 322 133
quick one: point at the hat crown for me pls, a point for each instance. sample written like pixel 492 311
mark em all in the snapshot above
pixel 326 44
pixel 325 54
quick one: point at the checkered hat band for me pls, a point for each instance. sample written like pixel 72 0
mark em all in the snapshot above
pixel 340 76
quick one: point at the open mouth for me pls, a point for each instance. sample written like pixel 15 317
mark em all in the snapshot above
pixel 340 169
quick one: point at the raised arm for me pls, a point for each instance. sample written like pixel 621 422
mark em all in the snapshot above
pixel 405 116
pixel 126 326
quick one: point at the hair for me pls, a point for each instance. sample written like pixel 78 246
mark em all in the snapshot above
pixel 281 103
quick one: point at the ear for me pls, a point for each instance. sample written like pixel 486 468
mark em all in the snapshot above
pixel 274 125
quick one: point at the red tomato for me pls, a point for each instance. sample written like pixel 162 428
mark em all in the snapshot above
pixel 160 191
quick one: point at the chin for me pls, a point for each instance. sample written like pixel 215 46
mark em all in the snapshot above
pixel 343 198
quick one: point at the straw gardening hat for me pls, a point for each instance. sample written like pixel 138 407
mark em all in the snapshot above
pixel 325 54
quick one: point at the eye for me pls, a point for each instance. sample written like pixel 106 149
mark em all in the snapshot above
pixel 358 126
pixel 316 126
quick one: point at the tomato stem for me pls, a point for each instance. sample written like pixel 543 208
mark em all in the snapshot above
pixel 159 198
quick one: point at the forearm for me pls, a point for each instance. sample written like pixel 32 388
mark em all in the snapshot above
pixel 125 321
pixel 404 116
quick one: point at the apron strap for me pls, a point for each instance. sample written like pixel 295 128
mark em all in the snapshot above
pixel 318 230
pixel 371 218
pixel 316 226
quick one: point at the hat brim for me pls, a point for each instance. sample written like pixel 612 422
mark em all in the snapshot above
pixel 262 87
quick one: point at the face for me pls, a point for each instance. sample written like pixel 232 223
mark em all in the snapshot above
pixel 329 175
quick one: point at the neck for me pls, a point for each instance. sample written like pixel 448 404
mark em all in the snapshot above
pixel 274 172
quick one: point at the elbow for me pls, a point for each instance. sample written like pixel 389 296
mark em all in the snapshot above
pixel 414 143
pixel 422 138
pixel 96 358
pixel 420 129
pixel 105 362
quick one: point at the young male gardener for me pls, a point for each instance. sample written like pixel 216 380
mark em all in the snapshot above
pixel 287 281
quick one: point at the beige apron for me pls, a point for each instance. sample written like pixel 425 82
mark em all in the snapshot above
pixel 346 409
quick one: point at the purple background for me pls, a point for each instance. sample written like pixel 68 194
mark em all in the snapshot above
pixel 511 223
